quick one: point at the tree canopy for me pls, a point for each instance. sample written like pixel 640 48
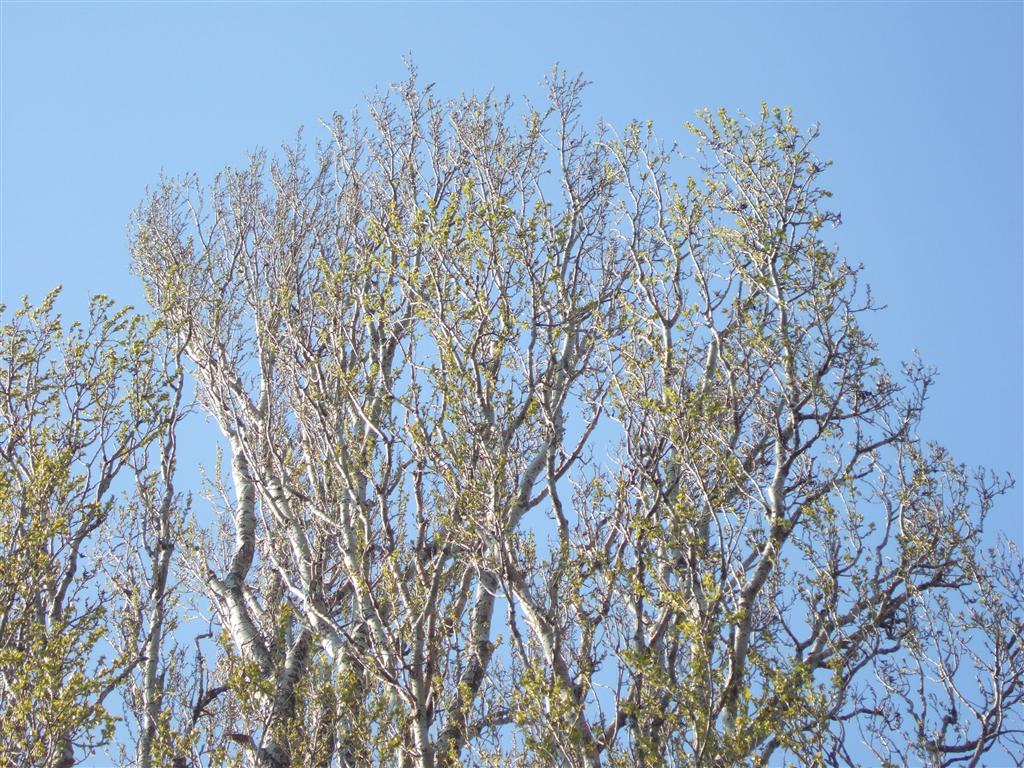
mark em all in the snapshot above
pixel 540 453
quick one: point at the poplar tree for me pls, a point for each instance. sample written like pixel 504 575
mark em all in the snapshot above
pixel 543 453
pixel 83 407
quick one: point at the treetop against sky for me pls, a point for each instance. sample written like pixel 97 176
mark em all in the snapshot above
pixel 533 447
pixel 920 106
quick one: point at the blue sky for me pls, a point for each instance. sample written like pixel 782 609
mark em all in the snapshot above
pixel 920 106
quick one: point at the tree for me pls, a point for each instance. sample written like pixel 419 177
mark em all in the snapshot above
pixel 79 407
pixel 539 456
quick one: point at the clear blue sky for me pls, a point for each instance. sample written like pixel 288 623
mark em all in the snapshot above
pixel 920 105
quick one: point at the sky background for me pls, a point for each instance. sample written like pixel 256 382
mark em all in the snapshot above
pixel 920 107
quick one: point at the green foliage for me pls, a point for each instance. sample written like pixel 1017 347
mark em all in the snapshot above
pixel 78 402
